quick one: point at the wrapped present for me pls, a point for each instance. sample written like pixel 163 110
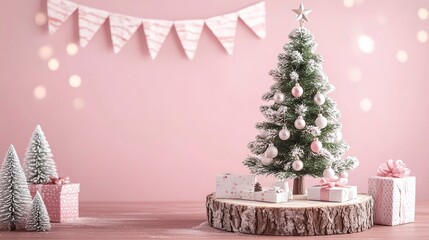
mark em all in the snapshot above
pixel 232 186
pixel 285 186
pixel 332 190
pixel 61 200
pixel 394 193
pixel 274 195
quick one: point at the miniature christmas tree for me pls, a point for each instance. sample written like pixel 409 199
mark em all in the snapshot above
pixel 38 220
pixel 39 164
pixel 302 133
pixel 15 199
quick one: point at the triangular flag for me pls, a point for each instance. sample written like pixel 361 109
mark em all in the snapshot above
pixel 156 31
pixel 58 12
pixel 121 29
pixel 254 17
pixel 189 32
pixel 90 20
pixel 223 27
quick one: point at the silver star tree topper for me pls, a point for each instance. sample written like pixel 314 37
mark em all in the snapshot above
pixel 301 14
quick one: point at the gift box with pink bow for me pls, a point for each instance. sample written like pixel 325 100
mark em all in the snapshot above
pixel 61 198
pixel 333 189
pixel 394 193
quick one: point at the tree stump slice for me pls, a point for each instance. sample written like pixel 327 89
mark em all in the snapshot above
pixel 296 217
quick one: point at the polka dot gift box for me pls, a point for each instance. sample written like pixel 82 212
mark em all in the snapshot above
pixel 232 186
pixel 394 193
pixel 61 200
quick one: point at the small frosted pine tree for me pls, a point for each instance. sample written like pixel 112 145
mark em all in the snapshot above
pixel 39 162
pixel 15 199
pixel 38 220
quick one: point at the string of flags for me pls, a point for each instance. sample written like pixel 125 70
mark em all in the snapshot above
pixel 122 27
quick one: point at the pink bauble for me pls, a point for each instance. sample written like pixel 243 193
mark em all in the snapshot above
pixel 316 146
pixel 319 98
pixel 266 160
pixel 299 123
pixel 271 152
pixel 278 97
pixel 329 173
pixel 297 165
pixel 344 175
pixel 297 91
pixel 284 134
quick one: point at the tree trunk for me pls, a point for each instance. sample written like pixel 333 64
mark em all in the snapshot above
pixel 298 186
pixel 299 217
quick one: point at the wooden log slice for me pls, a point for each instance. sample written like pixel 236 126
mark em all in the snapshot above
pixel 296 217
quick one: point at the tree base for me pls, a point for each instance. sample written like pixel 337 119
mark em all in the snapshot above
pixel 297 217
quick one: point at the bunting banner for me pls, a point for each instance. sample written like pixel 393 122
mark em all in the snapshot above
pixel 90 20
pixel 123 27
pixel 223 27
pixel 254 17
pixel 59 11
pixel 156 32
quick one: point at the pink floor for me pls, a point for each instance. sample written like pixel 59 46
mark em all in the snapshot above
pixel 184 221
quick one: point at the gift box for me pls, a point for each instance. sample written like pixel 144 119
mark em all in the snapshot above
pixel 62 201
pixel 285 186
pixel 232 186
pixel 394 199
pixel 274 195
pixel 332 194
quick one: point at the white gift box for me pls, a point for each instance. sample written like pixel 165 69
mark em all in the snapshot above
pixel 332 194
pixel 285 186
pixel 394 199
pixel 232 186
pixel 274 195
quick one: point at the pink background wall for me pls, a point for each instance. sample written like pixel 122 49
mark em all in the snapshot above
pixel 160 130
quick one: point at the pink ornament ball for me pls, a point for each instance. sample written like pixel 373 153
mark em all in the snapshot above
pixel 297 91
pixel 271 152
pixel 329 173
pixel 344 175
pixel 266 160
pixel 297 165
pixel 316 146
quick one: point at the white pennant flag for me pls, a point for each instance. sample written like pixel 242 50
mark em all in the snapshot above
pixel 90 20
pixel 58 12
pixel 189 32
pixel 121 29
pixel 224 28
pixel 254 17
pixel 156 32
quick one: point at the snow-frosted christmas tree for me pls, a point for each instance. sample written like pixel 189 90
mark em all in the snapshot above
pixel 39 162
pixel 302 133
pixel 38 220
pixel 15 199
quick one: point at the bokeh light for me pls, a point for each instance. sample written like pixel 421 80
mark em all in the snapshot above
pixel 402 56
pixel 423 13
pixel 45 52
pixel 40 18
pixel 53 64
pixel 75 81
pixel 366 44
pixel 348 3
pixel 422 36
pixel 365 104
pixel 72 49
pixel 355 74
pixel 39 92
pixel 78 103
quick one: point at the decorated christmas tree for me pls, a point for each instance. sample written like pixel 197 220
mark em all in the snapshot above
pixel 15 199
pixel 38 220
pixel 39 164
pixel 301 135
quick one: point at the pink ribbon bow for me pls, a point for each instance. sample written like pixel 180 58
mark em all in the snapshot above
pixel 59 180
pixel 393 168
pixel 332 182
